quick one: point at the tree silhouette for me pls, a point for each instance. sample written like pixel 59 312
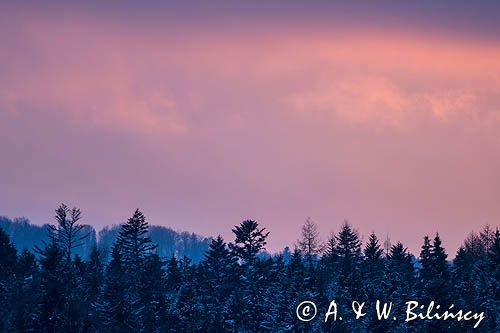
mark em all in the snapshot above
pixel 310 244
pixel 239 287
pixel 67 233
pixel 250 240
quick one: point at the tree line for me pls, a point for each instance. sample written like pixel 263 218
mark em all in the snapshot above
pixel 235 288
pixel 26 235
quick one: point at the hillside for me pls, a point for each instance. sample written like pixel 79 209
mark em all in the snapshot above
pixel 26 235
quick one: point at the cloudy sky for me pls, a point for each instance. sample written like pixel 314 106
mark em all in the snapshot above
pixel 203 115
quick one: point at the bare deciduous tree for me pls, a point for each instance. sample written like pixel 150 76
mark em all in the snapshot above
pixel 310 244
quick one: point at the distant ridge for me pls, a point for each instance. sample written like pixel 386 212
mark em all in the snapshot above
pixel 26 235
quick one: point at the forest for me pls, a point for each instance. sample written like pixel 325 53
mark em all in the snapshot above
pixel 236 286
pixel 26 235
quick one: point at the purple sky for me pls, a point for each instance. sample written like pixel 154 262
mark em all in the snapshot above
pixel 203 116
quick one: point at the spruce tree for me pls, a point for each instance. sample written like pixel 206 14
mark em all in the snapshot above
pixel 398 285
pixel 135 249
pixel 152 296
pixel 8 263
pixel 26 293
pixel 328 262
pixel 426 272
pixel 8 256
pixel 349 252
pixel 373 268
pixel 439 284
pixel 330 250
pixel 51 314
pixel 492 303
pixel 93 281
pixel 116 314
pixel 134 243
pixel 218 267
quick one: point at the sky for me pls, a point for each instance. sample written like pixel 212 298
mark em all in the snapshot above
pixel 205 114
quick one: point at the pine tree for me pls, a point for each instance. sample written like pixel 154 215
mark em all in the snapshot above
pixel 67 233
pixel 250 240
pixel 237 289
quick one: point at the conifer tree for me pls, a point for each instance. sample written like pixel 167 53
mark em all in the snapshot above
pixel 250 240
pixel 218 275
pixel 152 296
pixel 237 289
pixel 174 274
pixel 439 284
pixel 8 263
pixel 492 301
pixel 330 249
pixel 93 280
pixel 373 274
pixel 425 274
pixel 67 233
pixel 328 262
pixel 116 314
pixel 134 243
pixel 349 252
pixel 277 316
pixel 298 288
pixel 8 256
pixel 373 267
pixel 398 284
pixel 136 250
pixel 27 293
pixel 50 315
